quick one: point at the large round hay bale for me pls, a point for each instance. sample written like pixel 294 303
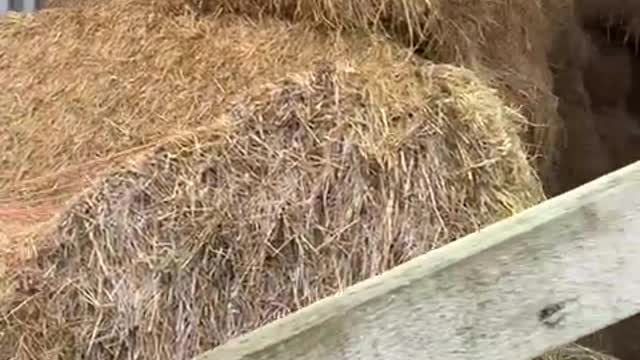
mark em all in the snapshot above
pixel 89 85
pixel 505 41
pixel 356 157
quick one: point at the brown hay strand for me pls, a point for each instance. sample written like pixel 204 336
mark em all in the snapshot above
pixel 317 181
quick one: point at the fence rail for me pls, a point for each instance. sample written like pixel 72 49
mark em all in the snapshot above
pixel 20 5
pixel 514 290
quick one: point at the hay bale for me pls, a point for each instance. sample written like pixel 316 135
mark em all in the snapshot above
pixel 296 190
pixel 505 41
pixel 84 88
pixel 132 72
pixel 116 61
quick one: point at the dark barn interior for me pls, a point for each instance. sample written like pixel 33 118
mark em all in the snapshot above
pixel 596 67
pixel 596 71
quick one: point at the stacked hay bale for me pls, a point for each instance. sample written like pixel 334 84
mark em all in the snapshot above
pixel 505 42
pixel 248 167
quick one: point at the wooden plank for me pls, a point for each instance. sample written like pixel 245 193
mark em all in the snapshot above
pixel 543 278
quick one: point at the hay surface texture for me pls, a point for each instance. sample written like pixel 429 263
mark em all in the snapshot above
pixel 90 85
pixel 299 189
pixel 504 41
pixel 340 157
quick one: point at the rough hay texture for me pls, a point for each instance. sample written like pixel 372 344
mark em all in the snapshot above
pixel 302 188
pixel 575 352
pixel 87 89
pixel 132 72
pixel 127 77
pixel 505 40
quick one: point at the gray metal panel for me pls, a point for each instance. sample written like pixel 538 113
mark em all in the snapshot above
pixel 31 5
pixel 28 6
pixel 4 6
pixel 17 5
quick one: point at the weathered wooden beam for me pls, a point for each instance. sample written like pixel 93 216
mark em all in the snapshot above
pixel 540 279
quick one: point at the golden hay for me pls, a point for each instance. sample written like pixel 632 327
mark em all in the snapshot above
pixel 506 41
pixel 131 72
pixel 293 192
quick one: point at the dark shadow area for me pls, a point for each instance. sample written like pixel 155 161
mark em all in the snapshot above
pixel 596 71
pixel 596 66
pixel 621 340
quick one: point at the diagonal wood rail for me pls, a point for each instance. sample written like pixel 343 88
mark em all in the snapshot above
pixel 543 278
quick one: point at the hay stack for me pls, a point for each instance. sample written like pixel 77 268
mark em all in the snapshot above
pixel 113 63
pixel 132 72
pixel 505 41
pixel 286 163
pixel 356 157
